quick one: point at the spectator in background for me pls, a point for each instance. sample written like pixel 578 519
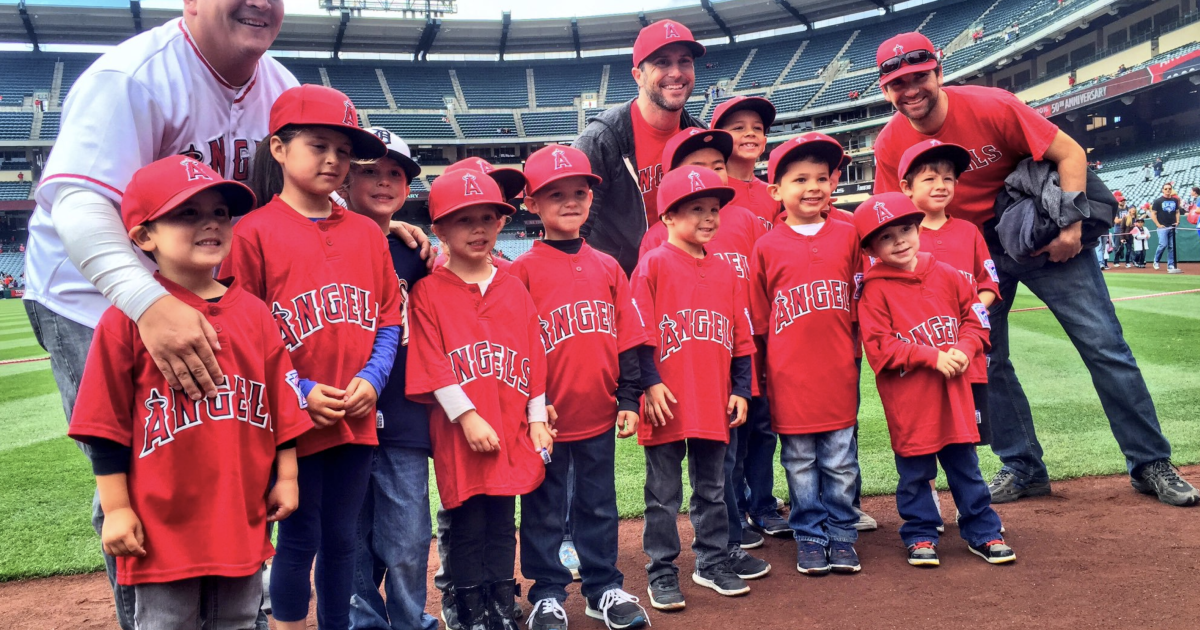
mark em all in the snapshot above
pixel 1016 31
pixel 21 248
pixel 1165 215
pixel 1071 80
pixel 939 53
pixel 1121 68
pixel 1158 166
pixel 1146 173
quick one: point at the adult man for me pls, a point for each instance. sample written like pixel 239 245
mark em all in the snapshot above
pixel 1000 131
pixel 1165 214
pixel 198 86
pixel 625 143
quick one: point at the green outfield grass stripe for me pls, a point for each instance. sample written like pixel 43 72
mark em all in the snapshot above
pixel 31 419
pixel 9 369
pixel 16 387
pixel 10 334
pixel 21 350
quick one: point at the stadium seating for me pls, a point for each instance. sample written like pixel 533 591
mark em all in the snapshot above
pixel 416 86
pixel 499 85
pixel 73 66
pixel 561 85
pixel 50 124
pixel 694 107
pixel 795 98
pixel 16 125
pixel 24 74
pixel 360 83
pixel 16 164
pixel 816 56
pixel 840 88
pixel 486 125
pixel 306 71
pixel 418 185
pixel 14 191
pixel 550 123
pixel 1006 12
pixel 415 125
pixel 513 247
pixel 768 63
pixel 949 22
pixel 725 64
pixel 621 86
pixel 861 53
pixel 1123 171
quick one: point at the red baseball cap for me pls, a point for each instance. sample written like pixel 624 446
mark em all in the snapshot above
pixel 554 162
pixel 511 180
pixel 814 143
pixel 900 45
pixel 660 34
pixel 161 186
pixel 756 104
pixel 463 188
pixel 318 105
pixel 691 182
pixel 882 210
pixel 693 139
pixel 1120 196
pixel 933 150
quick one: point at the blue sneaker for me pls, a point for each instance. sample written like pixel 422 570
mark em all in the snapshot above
pixel 770 524
pixel 843 558
pixel 569 558
pixel 812 559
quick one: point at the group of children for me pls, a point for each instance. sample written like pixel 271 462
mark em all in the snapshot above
pixel 345 365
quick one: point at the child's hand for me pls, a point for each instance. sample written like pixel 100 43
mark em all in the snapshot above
pixel 737 410
pixel 961 357
pixel 360 397
pixel 657 409
pixel 542 437
pixel 949 365
pixel 480 435
pixel 326 405
pixel 551 414
pixel 283 499
pixel 627 423
pixel 122 534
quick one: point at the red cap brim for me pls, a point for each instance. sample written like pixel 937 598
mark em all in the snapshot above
pixel 239 197
pixel 724 194
pixel 592 178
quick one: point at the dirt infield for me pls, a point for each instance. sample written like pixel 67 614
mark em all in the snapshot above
pixel 1093 555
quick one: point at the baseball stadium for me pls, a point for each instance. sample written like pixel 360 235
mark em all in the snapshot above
pixel 443 83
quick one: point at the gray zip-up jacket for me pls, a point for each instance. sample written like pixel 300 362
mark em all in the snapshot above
pixel 617 221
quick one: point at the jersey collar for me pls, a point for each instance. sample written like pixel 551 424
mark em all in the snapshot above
pixel 700 262
pixel 195 301
pixel 543 249
pixel 239 93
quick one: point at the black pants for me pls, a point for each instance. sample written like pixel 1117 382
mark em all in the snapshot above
pixel 1139 258
pixel 481 542
pixel 979 393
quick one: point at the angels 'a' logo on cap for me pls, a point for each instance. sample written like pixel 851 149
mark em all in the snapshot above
pixel 934 143
pixel 697 183
pixel 350 117
pixel 899 50
pixel 485 167
pixel 471 185
pixel 669 31
pixel 882 213
pixel 193 170
pixel 560 159
pixel 384 135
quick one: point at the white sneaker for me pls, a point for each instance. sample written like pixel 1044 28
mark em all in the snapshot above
pixel 1127 265
pixel 1174 270
pixel 1156 265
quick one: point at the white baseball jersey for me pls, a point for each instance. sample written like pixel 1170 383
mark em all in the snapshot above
pixel 151 97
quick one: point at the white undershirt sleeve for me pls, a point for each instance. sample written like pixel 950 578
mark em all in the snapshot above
pixel 96 241
pixel 454 401
pixel 536 409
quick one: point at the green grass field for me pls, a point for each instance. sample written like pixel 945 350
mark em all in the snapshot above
pixel 46 484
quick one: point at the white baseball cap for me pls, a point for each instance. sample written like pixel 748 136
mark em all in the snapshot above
pixel 398 150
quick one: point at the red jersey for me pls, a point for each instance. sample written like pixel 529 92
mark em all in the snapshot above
pixel 200 470
pixel 491 346
pixel 648 144
pixel 330 285
pixel 907 318
pixel 754 196
pixel 695 314
pixel 585 310
pixel 993 125
pixel 497 262
pixel 960 245
pixel 803 297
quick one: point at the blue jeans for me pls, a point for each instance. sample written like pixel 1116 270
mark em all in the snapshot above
pixel 594 519
pixel 1076 294
pixel 821 469
pixel 393 544
pixel 1166 242
pixel 735 497
pixel 756 495
pixel 664 496
pixel 978 523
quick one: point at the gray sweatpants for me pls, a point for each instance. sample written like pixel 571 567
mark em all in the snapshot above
pixel 664 496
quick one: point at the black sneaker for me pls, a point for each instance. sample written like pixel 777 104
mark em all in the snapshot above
pixel 812 559
pixel 770 524
pixel 1162 479
pixel 923 554
pixel 547 614
pixel 450 610
pixel 665 594
pixel 1007 487
pixel 721 579
pixel 745 565
pixel 751 539
pixel 995 552
pixel 843 558
pixel 617 609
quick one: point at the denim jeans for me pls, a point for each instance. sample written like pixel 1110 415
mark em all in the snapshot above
pixel 1100 254
pixel 735 460
pixel 393 544
pixel 593 512
pixel 210 602
pixel 821 469
pixel 1166 242
pixel 756 494
pixel 1077 295
pixel 664 496
pixel 977 523
pixel 67 342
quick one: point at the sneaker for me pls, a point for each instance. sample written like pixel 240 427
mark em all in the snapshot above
pixel 865 522
pixel 745 565
pixel 923 554
pixel 547 614
pixel 995 552
pixel 751 539
pixel 1156 265
pixel 665 594
pixel 569 558
pixel 617 609
pixel 450 611
pixel 812 559
pixel 1174 270
pixel 1162 479
pixel 937 503
pixel 843 558
pixel 770 524
pixel 1127 265
pixel 1007 487
pixel 958 516
pixel 721 579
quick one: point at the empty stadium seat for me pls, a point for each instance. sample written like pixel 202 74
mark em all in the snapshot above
pixel 486 125
pixel 861 53
pixel 794 99
pixel 816 56
pixel 24 74
pixel 499 85
pixel 550 123
pixel 725 64
pixel 73 66
pixel 415 125
pixel 14 191
pixel 621 86
pixel 561 85
pixel 418 86
pixel 360 83
pixel 839 90
pixel 768 63
pixel 305 71
pixel 50 125
pixel 950 21
pixel 16 125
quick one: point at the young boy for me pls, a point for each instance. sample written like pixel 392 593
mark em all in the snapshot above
pixel 185 484
pixel 695 313
pixel 591 333
pixel 747 119
pixel 394 524
pixel 1140 237
pixel 921 324
pixel 928 173
pixel 804 283
pixel 733 243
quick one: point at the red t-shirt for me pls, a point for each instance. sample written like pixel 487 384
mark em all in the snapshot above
pixel 490 344
pixel 585 310
pixel 695 314
pixel 330 285
pixel 648 144
pixel 803 297
pixel 907 318
pixel 754 196
pixel 200 471
pixel 993 125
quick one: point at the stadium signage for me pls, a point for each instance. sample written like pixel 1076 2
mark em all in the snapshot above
pixel 1111 88
pixel 854 188
pixel 1184 64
